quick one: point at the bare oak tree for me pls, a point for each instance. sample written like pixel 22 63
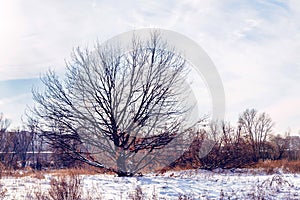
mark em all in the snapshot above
pixel 116 110
pixel 256 128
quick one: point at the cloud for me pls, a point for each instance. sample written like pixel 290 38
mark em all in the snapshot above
pixel 257 54
pixel 14 108
pixel 254 44
pixel 14 99
pixel 286 112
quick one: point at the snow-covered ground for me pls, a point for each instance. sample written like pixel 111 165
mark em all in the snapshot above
pixel 198 184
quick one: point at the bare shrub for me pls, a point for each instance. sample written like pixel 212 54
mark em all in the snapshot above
pixel 230 149
pixel 66 188
pixel 154 194
pixel 276 181
pixel 272 186
pixel 2 189
pixel 190 158
pixel 38 194
pixel 185 197
pixel 2 192
pixel 94 194
pixel 61 188
pixel 1 169
pixel 138 194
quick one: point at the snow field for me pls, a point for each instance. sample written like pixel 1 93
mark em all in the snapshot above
pixel 197 184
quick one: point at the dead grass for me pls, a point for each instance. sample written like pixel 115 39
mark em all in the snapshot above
pixel 175 169
pixel 272 166
pixel 79 171
pixel 39 174
pixel 268 166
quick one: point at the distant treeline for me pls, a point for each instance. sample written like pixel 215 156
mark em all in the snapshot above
pixel 216 145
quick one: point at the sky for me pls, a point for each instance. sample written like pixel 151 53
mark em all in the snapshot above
pixel 254 44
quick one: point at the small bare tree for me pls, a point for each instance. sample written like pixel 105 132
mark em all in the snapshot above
pixel 121 109
pixel 256 128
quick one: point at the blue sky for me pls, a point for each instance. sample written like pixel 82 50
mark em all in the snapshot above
pixel 255 45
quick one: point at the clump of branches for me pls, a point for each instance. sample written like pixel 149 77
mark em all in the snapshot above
pixel 221 145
